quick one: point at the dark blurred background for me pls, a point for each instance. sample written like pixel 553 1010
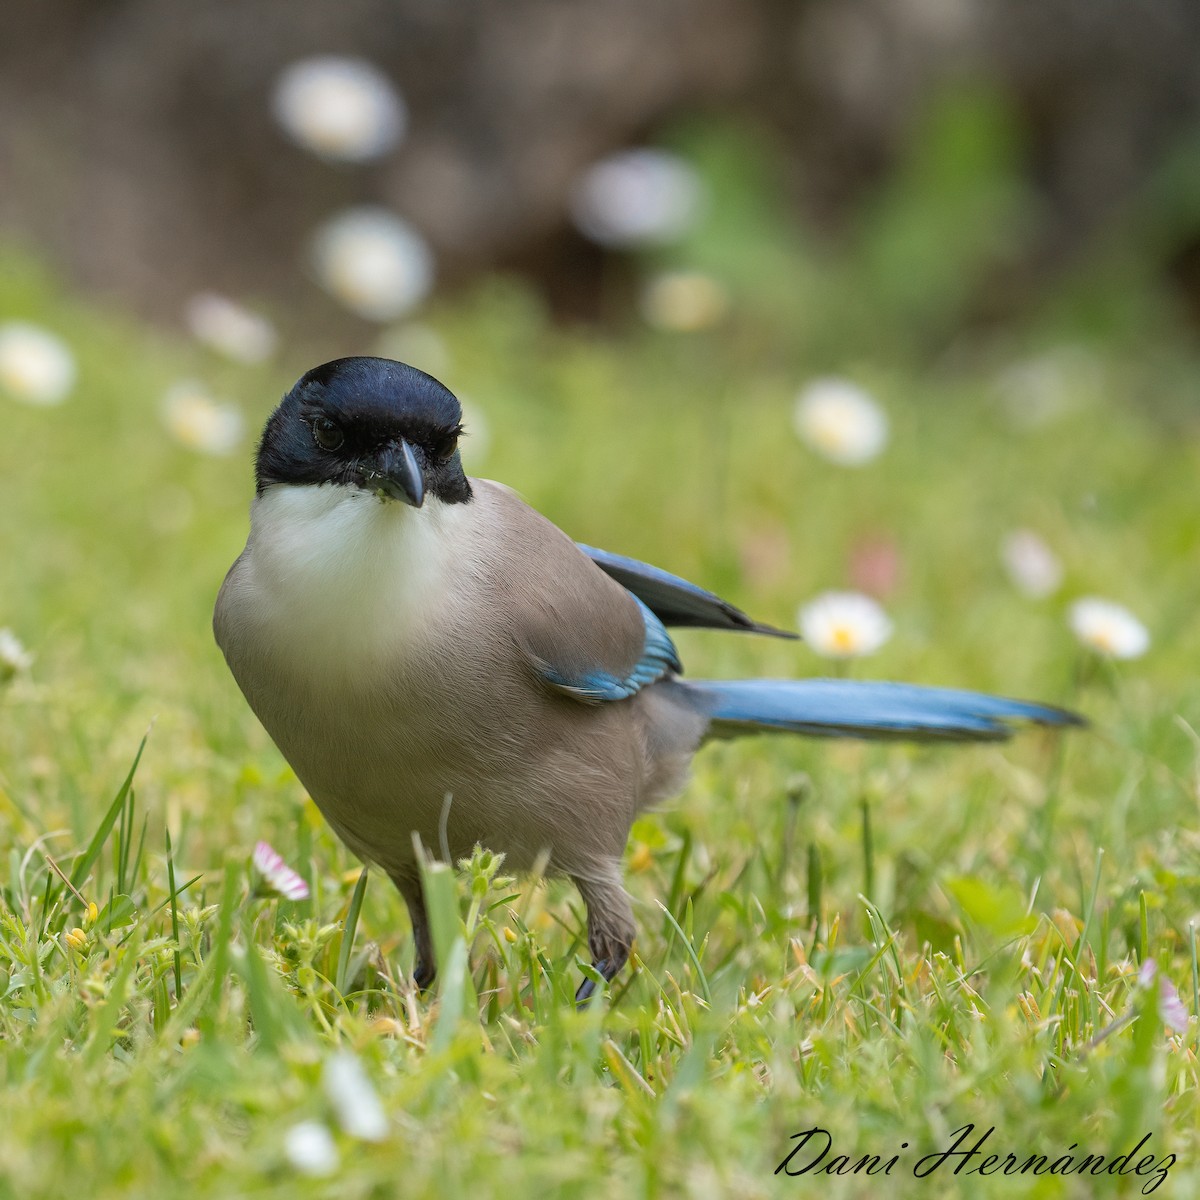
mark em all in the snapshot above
pixel 139 153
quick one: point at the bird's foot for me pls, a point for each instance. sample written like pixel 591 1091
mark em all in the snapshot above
pixel 424 973
pixel 587 989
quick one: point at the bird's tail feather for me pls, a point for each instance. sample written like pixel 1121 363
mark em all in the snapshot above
pixel 860 709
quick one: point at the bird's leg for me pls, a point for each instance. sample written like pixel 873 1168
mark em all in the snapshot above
pixel 424 966
pixel 611 928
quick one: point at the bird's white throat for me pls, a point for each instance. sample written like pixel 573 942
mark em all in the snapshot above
pixel 342 579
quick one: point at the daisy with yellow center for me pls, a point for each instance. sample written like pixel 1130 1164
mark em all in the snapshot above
pixel 1107 628
pixel 341 109
pixel 844 625
pixel 230 329
pixel 374 263
pixel 194 419
pixel 841 422
pixel 36 367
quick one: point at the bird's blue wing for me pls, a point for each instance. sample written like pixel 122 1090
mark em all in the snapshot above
pixel 673 600
pixel 597 685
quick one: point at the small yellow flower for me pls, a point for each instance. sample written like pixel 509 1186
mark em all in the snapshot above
pixel 684 301
pixel 93 915
pixel 641 859
pixel 510 934
pixel 76 938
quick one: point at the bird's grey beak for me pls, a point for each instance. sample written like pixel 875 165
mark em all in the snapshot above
pixel 396 473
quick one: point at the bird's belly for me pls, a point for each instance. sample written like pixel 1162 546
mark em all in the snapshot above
pixel 527 775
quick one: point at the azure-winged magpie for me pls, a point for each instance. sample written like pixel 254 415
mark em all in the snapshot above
pixel 435 658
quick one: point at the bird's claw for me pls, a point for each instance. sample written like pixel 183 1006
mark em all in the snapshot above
pixel 588 987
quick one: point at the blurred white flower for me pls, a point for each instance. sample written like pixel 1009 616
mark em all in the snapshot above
pixel 343 109
pixel 14 658
pixel 1031 565
pixel 840 421
pixel 1039 391
pixel 197 421
pixel 683 301
pixel 377 265
pixel 310 1148
pixel 353 1097
pixel 275 875
pixel 1109 629
pixel 844 625
pixel 226 327
pixel 35 365
pixel 417 344
pixel 636 198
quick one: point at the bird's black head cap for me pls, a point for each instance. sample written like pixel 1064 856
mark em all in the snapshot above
pixel 367 422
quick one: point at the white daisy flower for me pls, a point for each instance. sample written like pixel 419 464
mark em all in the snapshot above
pixel 374 263
pixel 310 1148
pixel 840 421
pixel 1108 628
pixel 226 327
pixel 353 1097
pixel 35 366
pixel 637 198
pixel 342 109
pixel 1031 565
pixel 844 625
pixel 683 301
pixel 14 658
pixel 197 421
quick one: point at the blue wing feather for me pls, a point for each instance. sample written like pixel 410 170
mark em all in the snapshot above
pixel 853 708
pixel 673 600
pixel 659 658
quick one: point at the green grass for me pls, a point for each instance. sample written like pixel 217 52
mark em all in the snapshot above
pixel 885 942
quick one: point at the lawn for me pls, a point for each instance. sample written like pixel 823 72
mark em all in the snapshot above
pixel 885 943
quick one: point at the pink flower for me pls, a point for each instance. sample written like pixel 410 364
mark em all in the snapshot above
pixel 277 878
pixel 1170 1007
pixel 875 565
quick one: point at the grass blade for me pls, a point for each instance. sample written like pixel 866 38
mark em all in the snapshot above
pixel 85 861
pixel 348 932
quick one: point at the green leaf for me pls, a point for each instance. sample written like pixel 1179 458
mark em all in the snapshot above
pixel 1002 911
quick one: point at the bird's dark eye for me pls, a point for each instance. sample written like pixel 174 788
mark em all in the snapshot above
pixel 326 434
pixel 446 447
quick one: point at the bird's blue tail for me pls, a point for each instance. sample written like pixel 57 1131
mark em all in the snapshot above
pixel 852 708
